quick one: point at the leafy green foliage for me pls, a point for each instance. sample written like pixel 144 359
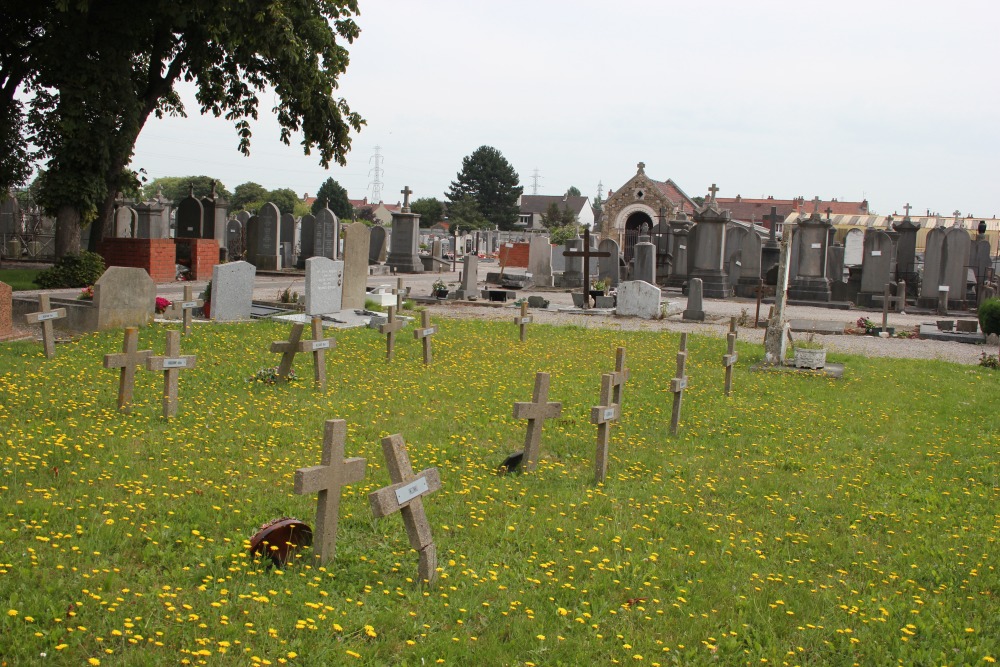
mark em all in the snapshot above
pixel 245 193
pixel 560 235
pixel 176 188
pixel 366 214
pixel 284 198
pixel 464 215
pixel 336 199
pixel 430 210
pixel 989 316
pixel 573 191
pixel 73 270
pixel 491 181
pixel 558 216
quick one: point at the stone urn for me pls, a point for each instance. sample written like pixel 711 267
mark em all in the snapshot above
pixel 809 357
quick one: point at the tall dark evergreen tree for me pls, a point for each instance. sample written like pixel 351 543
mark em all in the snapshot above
pixel 335 196
pixel 491 181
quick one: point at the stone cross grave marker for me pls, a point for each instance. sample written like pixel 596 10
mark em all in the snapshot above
pixel 536 413
pixel 523 320
pixel 603 415
pixel 288 348
pixel 679 384
pixel 424 333
pixel 171 363
pixel 586 253
pixel 907 209
pixel 44 316
pixel 318 346
pixel 327 479
pixel 406 192
pixel 389 329
pixel 128 360
pixel 714 189
pixel 730 358
pixel 405 495
pixel 182 309
pixel 620 376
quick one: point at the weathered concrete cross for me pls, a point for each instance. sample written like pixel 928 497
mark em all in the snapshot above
pixel 523 320
pixel 405 495
pixel 536 413
pixel 620 376
pixel 406 192
pixel 399 292
pixel 171 363
pixel 44 316
pixel 603 415
pixel 327 479
pixel 288 348
pixel 389 329
pixel 425 332
pixel 128 359
pixel 713 190
pixel 678 384
pixel 907 209
pixel 586 253
pixel 774 219
pixel 731 357
pixel 816 205
pixel 318 346
pixel 182 309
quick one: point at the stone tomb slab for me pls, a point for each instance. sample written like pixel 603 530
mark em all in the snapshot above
pixel 930 331
pixel 324 285
pixel 124 296
pixel 830 370
pixel 827 327
pixel 232 291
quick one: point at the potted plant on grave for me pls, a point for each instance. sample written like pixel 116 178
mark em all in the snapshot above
pixel 440 288
pixel 808 353
pixel 206 296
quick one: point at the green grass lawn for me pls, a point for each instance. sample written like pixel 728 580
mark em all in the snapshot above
pixel 802 521
pixel 20 279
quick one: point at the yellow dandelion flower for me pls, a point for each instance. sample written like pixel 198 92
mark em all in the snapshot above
pixel 370 631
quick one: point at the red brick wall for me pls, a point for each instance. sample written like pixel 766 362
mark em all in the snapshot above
pixel 516 256
pixel 204 255
pixel 157 256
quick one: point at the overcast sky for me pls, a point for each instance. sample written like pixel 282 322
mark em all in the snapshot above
pixel 893 101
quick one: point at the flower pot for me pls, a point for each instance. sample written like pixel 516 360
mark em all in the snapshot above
pixel 441 293
pixel 808 358
pixel 14 249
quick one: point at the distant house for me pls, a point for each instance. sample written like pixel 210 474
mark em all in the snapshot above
pixel 383 212
pixel 754 210
pixel 532 207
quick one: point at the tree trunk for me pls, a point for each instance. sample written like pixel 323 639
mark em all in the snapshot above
pixel 102 224
pixel 67 239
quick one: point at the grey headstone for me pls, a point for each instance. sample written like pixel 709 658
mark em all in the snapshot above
pixel 356 240
pixel 540 260
pixel 150 221
pixel 10 214
pixel 126 222
pixel 190 214
pixel 639 299
pixel 234 237
pixel 307 238
pixel 707 242
pixel 695 305
pixel 251 237
pixel 404 249
pixel 608 268
pixel 573 271
pixel 124 296
pixel 327 235
pixel 288 236
pixel 376 245
pixel 854 247
pixel 958 244
pixel 232 291
pixel 268 256
pixel 324 285
pixel 979 259
pixel 644 256
pixel 876 263
pixel 470 276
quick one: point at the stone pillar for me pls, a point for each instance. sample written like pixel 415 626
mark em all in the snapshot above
pixel 644 253
pixel 680 228
pixel 695 305
pixel 812 243
pixel 404 244
pixel 707 255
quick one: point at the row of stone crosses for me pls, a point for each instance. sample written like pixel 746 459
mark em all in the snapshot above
pixel 405 493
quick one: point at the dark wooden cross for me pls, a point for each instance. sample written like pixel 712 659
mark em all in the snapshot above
pixel 586 253
pixel 318 346
pixel 405 495
pixel 712 190
pixel 399 292
pixel 424 333
pixel 679 384
pixel 288 349
pixel 759 290
pixel 536 413
pixel 828 211
pixel 619 377
pixel 327 479
pixel 128 360
pixel 182 309
pixel 44 316
pixel 602 415
pixel 171 363
pixel 523 320
pixel 389 329
pixel 406 192
pixel 731 357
